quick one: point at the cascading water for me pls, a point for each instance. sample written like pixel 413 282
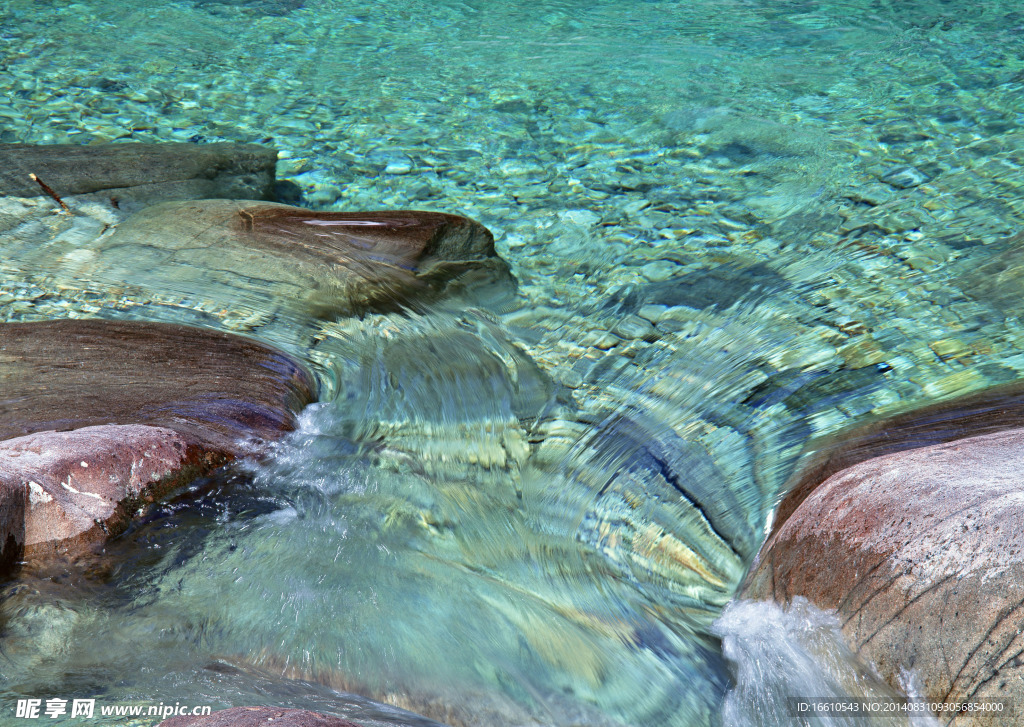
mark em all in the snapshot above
pixel 408 543
pixel 736 227
pixel 782 659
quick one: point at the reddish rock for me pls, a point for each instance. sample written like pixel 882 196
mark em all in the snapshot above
pixel 921 552
pixel 83 485
pixel 995 409
pixel 258 717
pixel 205 398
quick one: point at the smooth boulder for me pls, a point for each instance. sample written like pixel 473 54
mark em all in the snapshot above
pixel 130 174
pixel 258 717
pixel 282 260
pixel 995 409
pixel 83 485
pixel 205 398
pixel 217 390
pixel 921 553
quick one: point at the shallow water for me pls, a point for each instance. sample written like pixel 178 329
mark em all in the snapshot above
pixel 736 227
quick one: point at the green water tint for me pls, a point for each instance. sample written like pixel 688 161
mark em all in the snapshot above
pixel 410 543
pixel 431 556
pixel 498 509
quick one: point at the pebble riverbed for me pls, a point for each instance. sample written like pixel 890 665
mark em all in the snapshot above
pixel 874 153
pixel 835 187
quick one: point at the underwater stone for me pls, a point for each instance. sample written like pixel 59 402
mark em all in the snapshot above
pixel 999 279
pixel 659 270
pixel 400 165
pixel 719 287
pixel 922 554
pixel 258 717
pixel 274 8
pixel 287 192
pixel 77 488
pixel 633 327
pixel 140 173
pixel 652 313
pixel 296 261
pixel 905 177
pixel 514 106
pixel 870 194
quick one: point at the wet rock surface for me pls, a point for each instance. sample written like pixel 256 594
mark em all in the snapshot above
pixel 138 174
pixel 292 260
pixel 920 554
pixel 258 717
pixel 992 410
pixel 216 390
pixel 83 485
pixel 208 398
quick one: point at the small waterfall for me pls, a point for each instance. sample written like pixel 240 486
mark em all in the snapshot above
pixel 780 658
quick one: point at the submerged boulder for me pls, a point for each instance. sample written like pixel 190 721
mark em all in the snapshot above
pixel 921 553
pixel 293 261
pixel 258 717
pixel 254 7
pixel 131 174
pixel 205 398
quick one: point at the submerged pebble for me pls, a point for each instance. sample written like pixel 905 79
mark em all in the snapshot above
pixel 634 327
pixel 905 177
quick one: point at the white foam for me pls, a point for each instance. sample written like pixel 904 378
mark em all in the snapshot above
pixel 779 657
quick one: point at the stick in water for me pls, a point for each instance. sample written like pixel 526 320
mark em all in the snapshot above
pixel 46 188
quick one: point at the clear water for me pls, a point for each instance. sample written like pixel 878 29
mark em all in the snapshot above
pixel 523 513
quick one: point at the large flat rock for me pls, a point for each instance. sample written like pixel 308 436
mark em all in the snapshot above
pixel 217 390
pixel 921 552
pixel 279 259
pixel 133 173
pixel 205 398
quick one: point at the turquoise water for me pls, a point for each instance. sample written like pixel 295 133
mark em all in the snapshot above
pixel 736 226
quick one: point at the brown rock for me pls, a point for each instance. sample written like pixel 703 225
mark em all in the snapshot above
pixel 258 717
pixel 206 397
pixel 215 389
pixel 289 261
pixel 140 173
pixel 922 554
pixel 995 409
pixel 83 485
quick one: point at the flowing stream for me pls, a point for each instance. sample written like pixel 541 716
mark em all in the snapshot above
pixel 736 226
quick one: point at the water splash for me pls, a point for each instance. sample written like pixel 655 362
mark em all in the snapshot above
pixel 781 657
